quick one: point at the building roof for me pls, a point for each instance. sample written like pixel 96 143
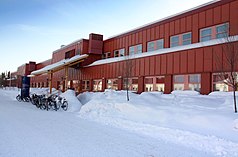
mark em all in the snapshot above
pixel 59 65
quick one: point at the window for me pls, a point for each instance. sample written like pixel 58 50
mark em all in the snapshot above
pixel 106 55
pixel 214 32
pixel 187 82
pixel 155 45
pixel 131 83
pixel 187 38
pixel 135 49
pixel 155 83
pixel 69 54
pixel 206 34
pixel 112 84
pixel 85 85
pixel 97 85
pixel 119 53
pixel 219 82
pixel 174 41
pixel 181 39
pixel 222 31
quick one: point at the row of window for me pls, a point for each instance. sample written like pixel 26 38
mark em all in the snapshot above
pixel 214 32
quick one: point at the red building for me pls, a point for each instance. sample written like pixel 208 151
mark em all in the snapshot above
pixel 176 53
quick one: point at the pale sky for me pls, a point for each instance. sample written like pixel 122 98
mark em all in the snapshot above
pixel 30 30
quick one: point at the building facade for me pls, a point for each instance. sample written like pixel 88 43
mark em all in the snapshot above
pixel 177 53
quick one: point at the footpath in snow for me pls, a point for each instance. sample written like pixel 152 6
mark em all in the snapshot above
pixel 150 124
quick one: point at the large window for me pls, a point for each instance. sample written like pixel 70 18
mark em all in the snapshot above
pixel 112 84
pixel 85 85
pixel 155 45
pixel 214 32
pixel 187 82
pixel 155 83
pixel 119 53
pixel 219 82
pixel 97 85
pixel 135 49
pixel 181 39
pixel 131 83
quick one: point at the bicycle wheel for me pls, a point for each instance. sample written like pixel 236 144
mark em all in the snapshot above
pixel 65 105
pixel 19 98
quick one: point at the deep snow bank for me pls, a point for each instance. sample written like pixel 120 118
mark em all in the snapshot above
pixel 74 104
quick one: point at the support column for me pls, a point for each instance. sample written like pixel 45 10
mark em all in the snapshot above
pixel 50 81
pixel 120 83
pixel 206 83
pixel 104 84
pixel 91 85
pixel 66 78
pixel 141 84
pixel 168 84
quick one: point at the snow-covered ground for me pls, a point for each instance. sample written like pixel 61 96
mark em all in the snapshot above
pixel 105 124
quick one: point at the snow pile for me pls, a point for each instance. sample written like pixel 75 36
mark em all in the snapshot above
pixel 73 102
pixel 203 122
pixel 236 124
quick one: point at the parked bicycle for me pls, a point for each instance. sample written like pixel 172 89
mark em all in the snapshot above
pixel 62 103
pixel 21 98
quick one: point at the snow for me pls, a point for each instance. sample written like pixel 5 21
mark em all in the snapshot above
pixel 168 50
pixel 183 123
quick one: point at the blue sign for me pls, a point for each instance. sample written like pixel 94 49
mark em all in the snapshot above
pixel 25 88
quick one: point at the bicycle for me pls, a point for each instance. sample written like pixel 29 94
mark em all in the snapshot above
pixel 62 103
pixel 21 98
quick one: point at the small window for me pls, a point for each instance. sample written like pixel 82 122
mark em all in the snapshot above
pixel 155 45
pixel 106 55
pixel 222 31
pixel 187 38
pixel 206 34
pixel 174 41
pixel 119 53
pixel 135 49
pixel 179 78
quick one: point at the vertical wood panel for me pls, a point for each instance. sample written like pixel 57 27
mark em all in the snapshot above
pixel 161 31
pixel 157 65
pixel 163 64
pixel 140 37
pixel 177 27
pixel 225 13
pixel 199 60
pixel 166 35
pixel 176 61
pixel 152 65
pixel 152 34
pixel 157 34
pixel 234 18
pixel 137 67
pixel 191 61
pixel 195 29
pixel 209 17
pixel 171 28
pixel 142 66
pixel 208 59
pixel 133 39
pixel 183 25
pixel 147 66
pixel 217 15
pixel 188 23
pixel 202 19
pixel 184 62
pixel 170 63
pixel 217 58
pixel 144 41
pixel 137 38
pixel 148 34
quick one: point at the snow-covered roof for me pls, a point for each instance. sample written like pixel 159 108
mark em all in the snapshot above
pixel 59 65
pixel 70 44
pixel 166 18
pixel 168 50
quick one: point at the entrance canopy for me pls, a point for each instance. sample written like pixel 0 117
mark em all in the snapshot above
pixel 60 65
pixel 63 64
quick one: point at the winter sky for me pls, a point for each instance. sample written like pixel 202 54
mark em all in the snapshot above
pixel 30 30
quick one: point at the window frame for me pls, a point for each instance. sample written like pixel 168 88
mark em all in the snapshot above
pixel 156 45
pixel 136 49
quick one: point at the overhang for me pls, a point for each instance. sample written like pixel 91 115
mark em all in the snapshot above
pixel 60 65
